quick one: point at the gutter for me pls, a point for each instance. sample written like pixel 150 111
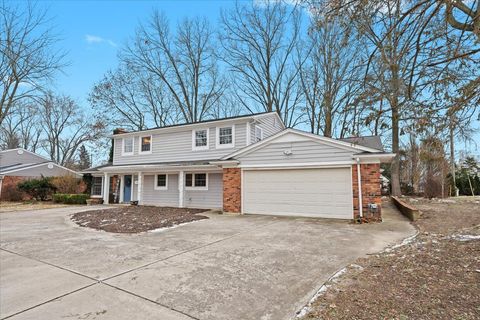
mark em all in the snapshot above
pixel 359 178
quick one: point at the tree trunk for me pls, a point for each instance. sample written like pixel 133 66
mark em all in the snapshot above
pixel 452 157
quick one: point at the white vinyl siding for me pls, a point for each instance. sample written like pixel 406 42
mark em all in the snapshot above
pixel 177 146
pixel 211 198
pixel 168 197
pixel 307 151
pixel 325 193
pixel 269 124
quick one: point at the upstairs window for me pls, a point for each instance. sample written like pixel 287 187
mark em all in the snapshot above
pixel 127 146
pixel 225 137
pixel 196 181
pixel 146 144
pixel 161 182
pixel 258 134
pixel 200 139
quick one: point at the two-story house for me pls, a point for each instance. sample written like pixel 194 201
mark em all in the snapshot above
pixel 246 164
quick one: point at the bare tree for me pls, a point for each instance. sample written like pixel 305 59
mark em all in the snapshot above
pixel 259 42
pixel 21 127
pixel 66 128
pixel 132 99
pixel 28 58
pixel 331 77
pixel 184 62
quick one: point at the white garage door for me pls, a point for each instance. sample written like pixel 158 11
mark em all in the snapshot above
pixel 325 193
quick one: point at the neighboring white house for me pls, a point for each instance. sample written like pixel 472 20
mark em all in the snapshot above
pixel 19 164
pixel 247 164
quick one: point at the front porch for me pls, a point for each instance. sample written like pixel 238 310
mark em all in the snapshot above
pixel 192 187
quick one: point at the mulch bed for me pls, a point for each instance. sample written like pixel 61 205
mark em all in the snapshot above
pixel 436 276
pixel 135 219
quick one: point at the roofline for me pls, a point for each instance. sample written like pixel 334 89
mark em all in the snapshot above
pixel 200 123
pixel 39 165
pixel 25 150
pixel 347 145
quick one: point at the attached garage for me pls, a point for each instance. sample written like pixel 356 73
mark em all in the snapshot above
pixel 321 192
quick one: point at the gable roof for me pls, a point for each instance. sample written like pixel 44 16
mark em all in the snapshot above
pixel 334 142
pixel 203 122
pixel 373 142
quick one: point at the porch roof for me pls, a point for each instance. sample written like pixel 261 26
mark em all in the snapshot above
pixel 160 166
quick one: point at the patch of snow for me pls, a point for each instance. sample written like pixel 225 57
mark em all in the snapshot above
pixel 405 242
pixel 447 201
pixel 333 279
pixel 162 229
pixel 465 237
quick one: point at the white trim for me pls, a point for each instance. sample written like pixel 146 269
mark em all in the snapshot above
pixel 217 137
pixel 194 140
pixel 181 189
pixel 39 165
pixel 182 127
pixel 303 165
pixel 328 141
pixel 360 200
pixel 123 146
pixel 155 182
pixel 242 191
pixel 255 133
pixel 140 144
pixel 249 133
pixel 122 189
pixel 193 187
pixel 140 187
pixel 106 187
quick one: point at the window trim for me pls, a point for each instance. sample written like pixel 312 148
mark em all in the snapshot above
pixel 123 146
pixel 101 188
pixel 194 140
pixel 255 134
pixel 193 187
pixel 217 138
pixel 155 182
pixel 140 144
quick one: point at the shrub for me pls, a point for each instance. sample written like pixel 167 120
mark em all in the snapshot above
pixel 39 189
pixel 68 184
pixel 11 193
pixel 70 198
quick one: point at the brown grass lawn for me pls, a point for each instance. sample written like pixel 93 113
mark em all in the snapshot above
pixel 436 276
pixel 7 206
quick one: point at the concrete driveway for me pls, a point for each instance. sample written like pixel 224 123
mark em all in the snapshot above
pixel 226 267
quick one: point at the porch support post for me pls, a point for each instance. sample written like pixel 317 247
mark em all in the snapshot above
pixel 106 188
pixel 122 186
pixel 139 187
pixel 181 188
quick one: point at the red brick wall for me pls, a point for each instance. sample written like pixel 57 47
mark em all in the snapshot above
pixel 232 190
pixel 371 191
pixel 9 189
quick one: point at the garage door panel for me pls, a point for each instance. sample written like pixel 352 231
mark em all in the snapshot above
pixel 300 192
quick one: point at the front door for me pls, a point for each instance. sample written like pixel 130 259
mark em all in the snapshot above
pixel 127 189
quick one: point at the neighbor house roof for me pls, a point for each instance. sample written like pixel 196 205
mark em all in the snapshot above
pixel 373 142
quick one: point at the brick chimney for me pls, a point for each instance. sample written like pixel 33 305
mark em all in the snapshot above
pixel 119 131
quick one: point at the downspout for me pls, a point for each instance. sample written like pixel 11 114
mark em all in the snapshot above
pixel 360 200
pixel 1 183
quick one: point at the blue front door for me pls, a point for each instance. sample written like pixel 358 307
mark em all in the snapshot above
pixel 127 189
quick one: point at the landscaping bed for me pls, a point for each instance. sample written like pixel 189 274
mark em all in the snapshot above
pixel 134 219
pixel 434 276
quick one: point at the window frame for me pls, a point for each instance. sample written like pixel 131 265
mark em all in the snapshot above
pixel 140 144
pixel 217 136
pixel 155 182
pixel 123 146
pixel 194 140
pixel 93 185
pixel 255 134
pixel 193 187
